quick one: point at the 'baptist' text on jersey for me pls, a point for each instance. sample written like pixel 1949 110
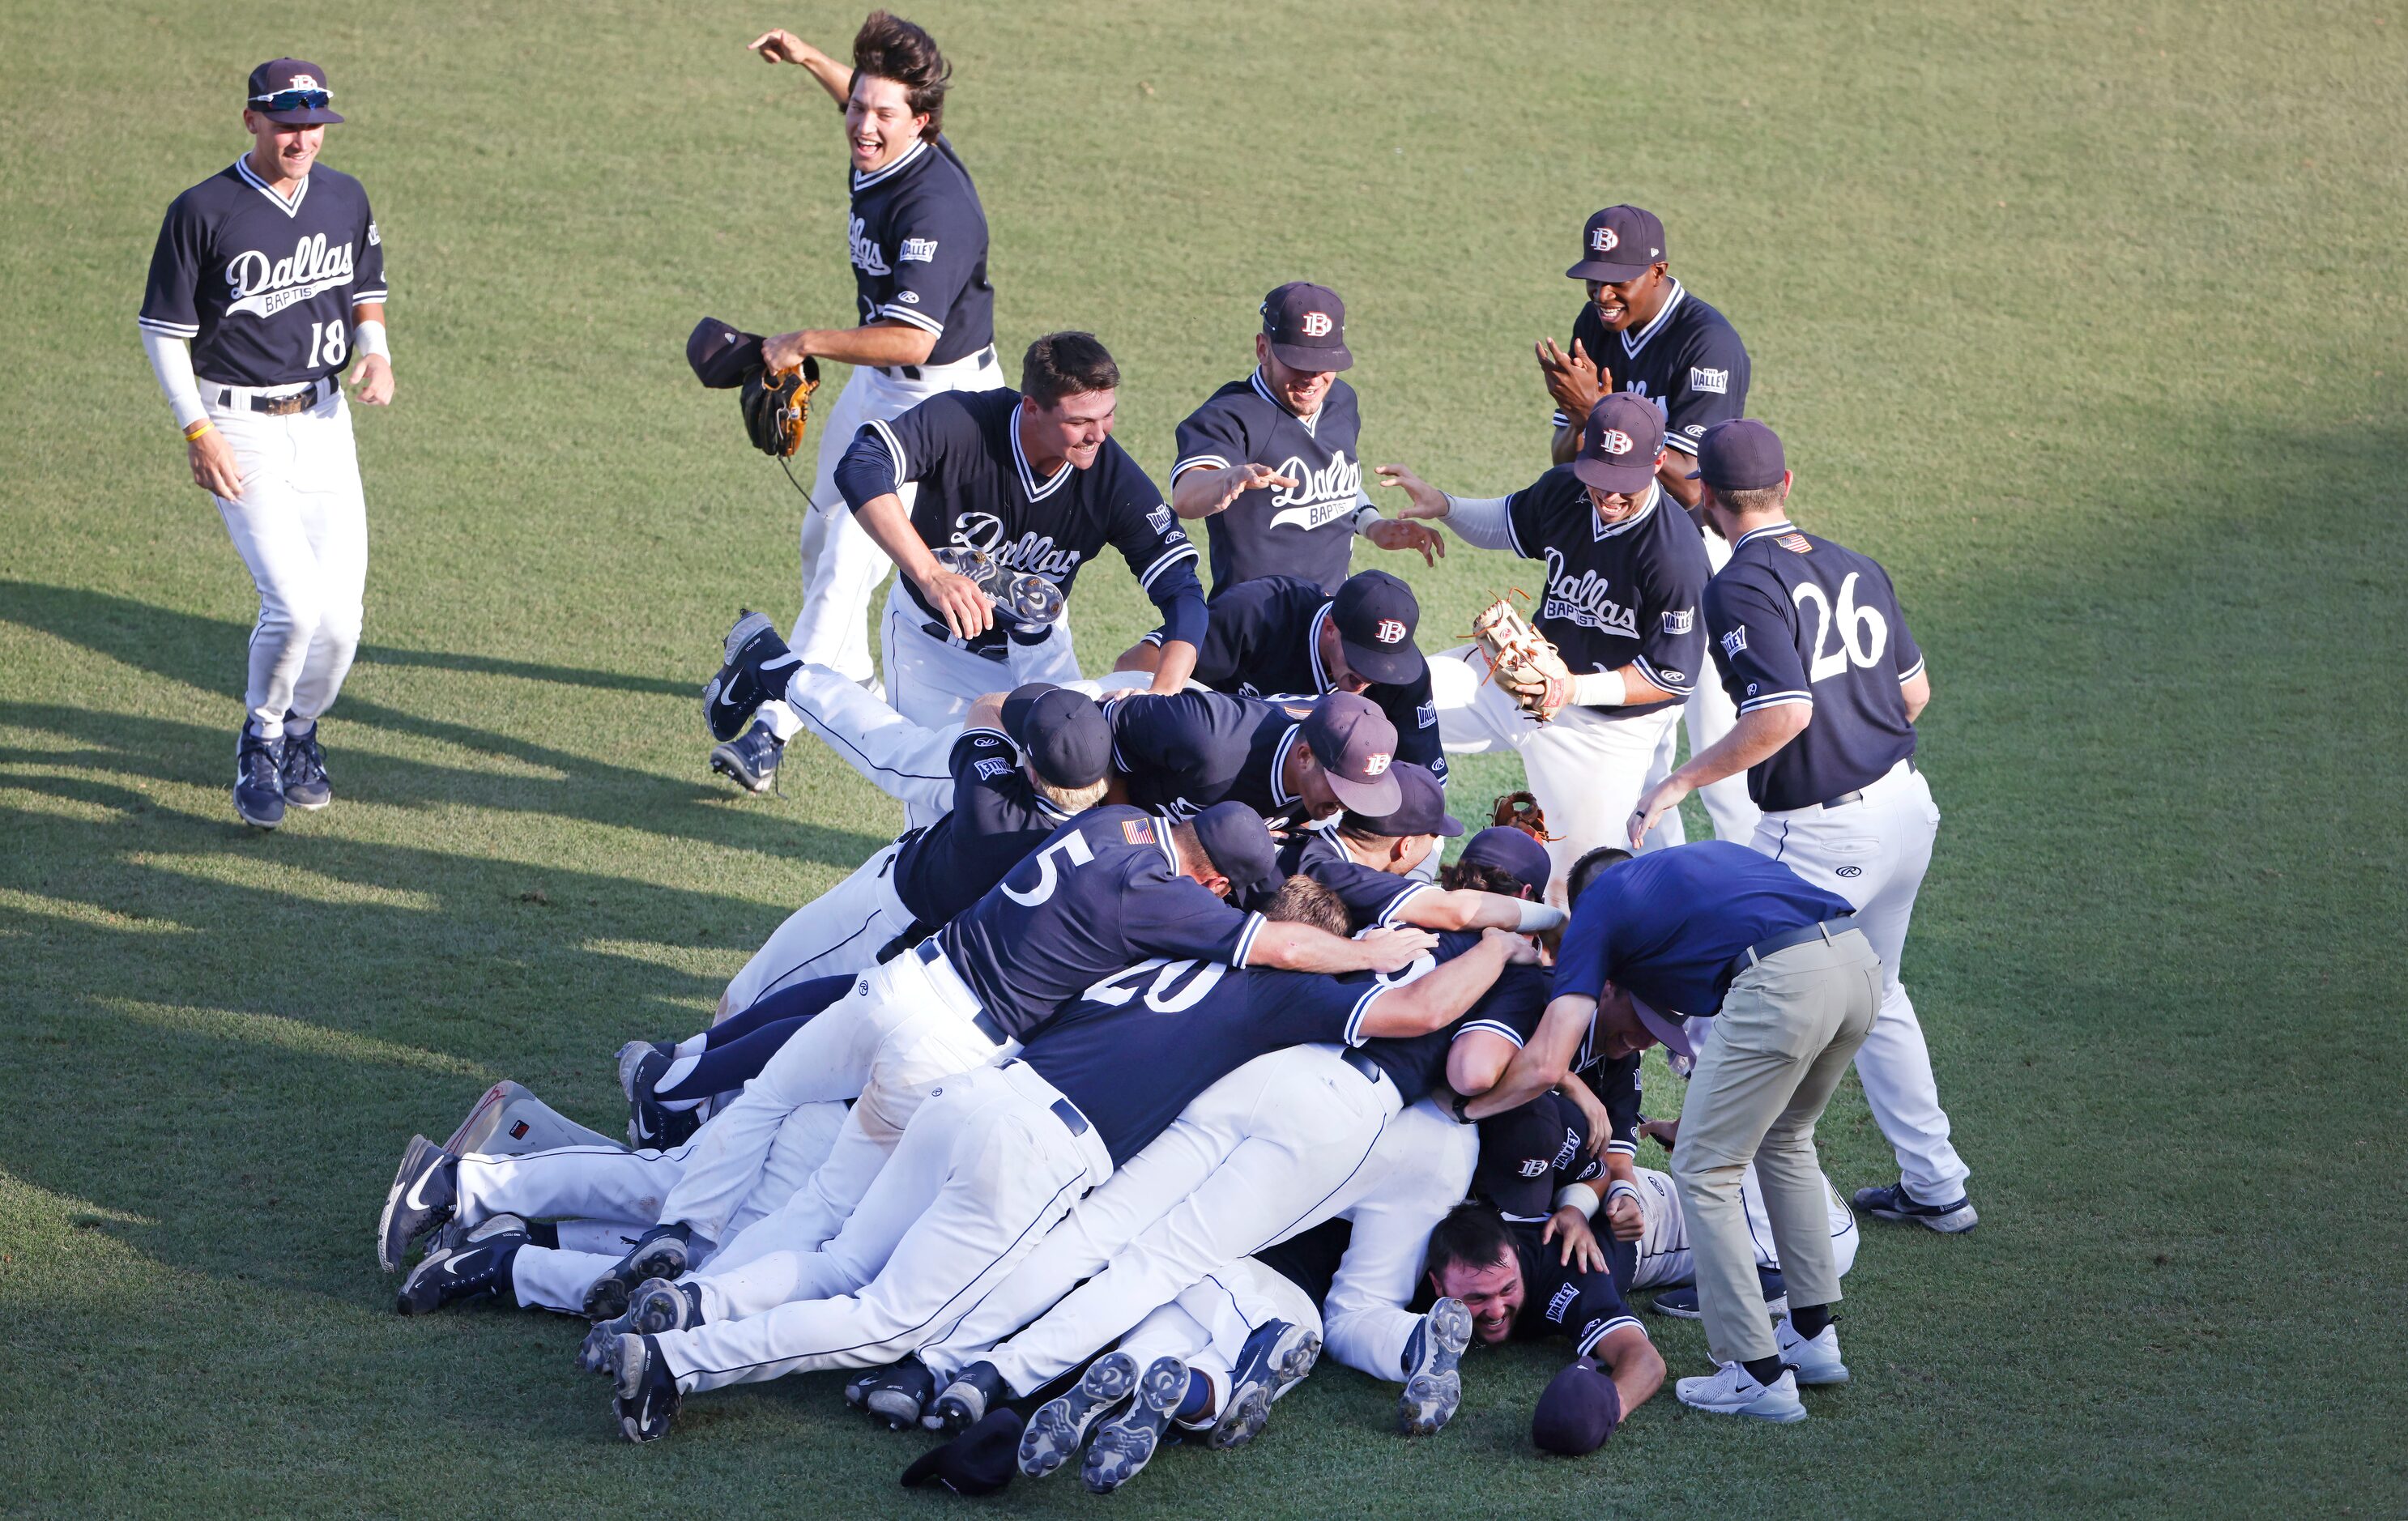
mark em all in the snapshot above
pixel 1306 529
pixel 1618 595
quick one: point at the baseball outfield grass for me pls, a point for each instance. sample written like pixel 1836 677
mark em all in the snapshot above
pixel 2087 321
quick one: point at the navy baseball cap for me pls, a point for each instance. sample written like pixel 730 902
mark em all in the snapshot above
pixel 1376 614
pixel 1512 851
pixel 1740 454
pixel 980 1461
pixel 1420 808
pixel 1672 1033
pixel 1239 843
pixel 1619 243
pixel 1062 732
pixel 1579 1410
pixel 291 93
pixel 1619 446
pixel 722 356
pixel 1307 326
pixel 1356 745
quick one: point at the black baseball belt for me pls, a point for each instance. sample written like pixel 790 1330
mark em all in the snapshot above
pixel 984 1023
pixel 1353 1058
pixel 1772 944
pixel 985 358
pixel 1065 1111
pixel 298 402
pixel 1858 796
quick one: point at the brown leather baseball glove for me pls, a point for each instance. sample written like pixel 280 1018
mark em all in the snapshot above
pixel 777 406
pixel 1522 660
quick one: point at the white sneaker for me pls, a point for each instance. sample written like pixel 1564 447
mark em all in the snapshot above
pixel 1815 1361
pixel 1731 1391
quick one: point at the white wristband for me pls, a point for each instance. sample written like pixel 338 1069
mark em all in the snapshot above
pixel 368 338
pixel 1600 689
pixel 1536 917
pixel 1619 1188
pixel 1367 518
pixel 1579 1195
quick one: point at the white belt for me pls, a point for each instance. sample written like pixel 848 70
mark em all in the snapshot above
pixel 1031 1084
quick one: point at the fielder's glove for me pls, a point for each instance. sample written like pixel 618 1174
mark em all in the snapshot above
pixel 1521 811
pixel 778 407
pixel 1522 660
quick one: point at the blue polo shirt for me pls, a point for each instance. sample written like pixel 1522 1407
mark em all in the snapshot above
pixel 1668 924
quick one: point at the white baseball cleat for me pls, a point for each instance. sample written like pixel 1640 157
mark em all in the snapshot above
pixel 1731 1390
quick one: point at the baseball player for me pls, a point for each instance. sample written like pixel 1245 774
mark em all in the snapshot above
pixel 1625 570
pixel 267 278
pixel 1641 332
pixel 1022 765
pixel 1284 636
pixel 917 238
pixel 1110 888
pixel 1273 1149
pixel 1179 751
pixel 1031 483
pixel 1272 463
pixel 998 1155
pixel 1815 650
pixel 1371 864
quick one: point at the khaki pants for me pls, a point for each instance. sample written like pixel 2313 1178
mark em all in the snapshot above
pixel 1789 1028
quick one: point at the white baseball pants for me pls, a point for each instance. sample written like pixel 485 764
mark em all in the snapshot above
pixel 301 525
pixel 1664 1256
pixel 1710 715
pixel 1873 853
pixel 1206 1325
pixel 991 1163
pixel 1257 1157
pixel 932 682
pixel 1588 771
pixel 1420 1169
pixel 841 931
pixel 905 1027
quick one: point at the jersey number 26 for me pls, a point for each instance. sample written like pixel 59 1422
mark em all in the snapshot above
pixel 1851 621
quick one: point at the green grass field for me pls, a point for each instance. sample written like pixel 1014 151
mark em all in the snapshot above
pixel 2088 322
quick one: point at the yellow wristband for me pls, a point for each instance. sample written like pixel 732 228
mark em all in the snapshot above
pixel 198 429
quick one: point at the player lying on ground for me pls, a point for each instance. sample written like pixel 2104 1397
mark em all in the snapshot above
pixel 994 1158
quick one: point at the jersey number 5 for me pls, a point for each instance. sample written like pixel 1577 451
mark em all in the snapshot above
pixel 1851 621
pixel 1071 848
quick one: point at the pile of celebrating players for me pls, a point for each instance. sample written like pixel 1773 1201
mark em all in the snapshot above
pixel 1159 1057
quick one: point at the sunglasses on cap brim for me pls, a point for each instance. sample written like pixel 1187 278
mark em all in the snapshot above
pixel 294 100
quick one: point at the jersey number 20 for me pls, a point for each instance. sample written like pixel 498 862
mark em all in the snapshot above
pixel 1851 620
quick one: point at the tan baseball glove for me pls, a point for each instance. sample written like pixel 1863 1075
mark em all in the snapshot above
pixel 776 405
pixel 1525 664
pixel 1521 811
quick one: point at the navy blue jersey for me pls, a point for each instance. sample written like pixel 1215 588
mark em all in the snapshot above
pixel 1306 529
pixel 1527 1154
pixel 1562 1300
pixel 265 286
pixel 1179 753
pixel 1689 361
pixel 977 491
pixel 1265 642
pixel 1102 894
pixel 1617 1085
pixel 1796 619
pixel 1141 1043
pixel 1668 924
pixel 1371 897
pixel 919 249
pixel 1511 1007
pixel 1615 595
pixel 998 816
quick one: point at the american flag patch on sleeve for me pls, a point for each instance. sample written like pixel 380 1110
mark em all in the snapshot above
pixel 1137 831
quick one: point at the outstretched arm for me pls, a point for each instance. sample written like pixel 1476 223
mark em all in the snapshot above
pixel 779 45
pixel 1292 947
pixel 1542 1064
pixel 1434 1001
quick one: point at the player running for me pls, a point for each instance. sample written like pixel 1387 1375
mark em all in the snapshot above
pixel 272 270
pixel 1625 570
pixel 1272 463
pixel 1815 650
pixel 917 238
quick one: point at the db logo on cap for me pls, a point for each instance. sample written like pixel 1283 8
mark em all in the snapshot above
pixel 302 81
pixel 1376 763
pixel 1317 324
pixel 1614 441
pixel 1389 632
pixel 1604 240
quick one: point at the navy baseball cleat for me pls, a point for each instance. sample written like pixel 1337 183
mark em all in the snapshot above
pixel 643 1392
pixel 259 779
pixel 896 1393
pixel 1892 1203
pixel 1681 1303
pixel 974 1391
pixel 423 1194
pixel 1060 1426
pixel 1273 1361
pixel 1433 1388
pixel 1126 1443
pixel 303 772
pixel 751 762
pixel 757 666
pixel 464 1262
pixel 658 1252
pixel 650 1124
pixel 657 1306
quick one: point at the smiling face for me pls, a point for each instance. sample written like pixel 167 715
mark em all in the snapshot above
pixel 1072 429
pixel 280 152
pixel 1623 303
pixel 879 126
pixel 1301 390
pixel 1618 1030
pixel 1615 507
pixel 1493 1293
